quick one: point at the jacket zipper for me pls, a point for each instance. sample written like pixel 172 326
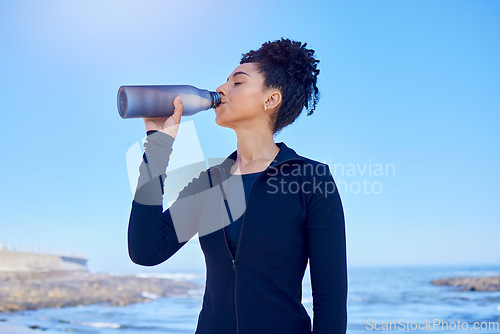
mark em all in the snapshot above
pixel 230 254
pixel 234 259
pixel 235 276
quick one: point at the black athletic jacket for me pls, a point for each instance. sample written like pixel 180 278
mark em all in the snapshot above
pixel 294 215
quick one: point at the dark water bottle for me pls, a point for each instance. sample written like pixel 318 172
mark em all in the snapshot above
pixel 158 101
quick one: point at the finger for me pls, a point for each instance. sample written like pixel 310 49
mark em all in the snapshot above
pixel 178 103
pixel 179 108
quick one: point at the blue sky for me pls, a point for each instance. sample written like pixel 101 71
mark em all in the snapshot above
pixel 408 84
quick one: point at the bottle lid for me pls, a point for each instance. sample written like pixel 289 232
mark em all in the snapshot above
pixel 215 99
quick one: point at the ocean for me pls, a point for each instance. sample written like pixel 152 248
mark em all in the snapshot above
pixel 380 299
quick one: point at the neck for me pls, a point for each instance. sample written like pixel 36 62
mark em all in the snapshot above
pixel 255 150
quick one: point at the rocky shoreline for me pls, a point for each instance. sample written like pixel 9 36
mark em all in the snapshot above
pixel 31 290
pixel 491 283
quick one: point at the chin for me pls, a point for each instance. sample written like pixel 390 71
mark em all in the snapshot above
pixel 218 121
pixel 227 120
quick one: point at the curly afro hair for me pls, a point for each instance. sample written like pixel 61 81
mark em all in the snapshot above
pixel 290 67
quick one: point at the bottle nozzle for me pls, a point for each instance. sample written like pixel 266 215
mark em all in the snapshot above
pixel 215 99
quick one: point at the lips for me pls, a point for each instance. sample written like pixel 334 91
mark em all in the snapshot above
pixel 219 105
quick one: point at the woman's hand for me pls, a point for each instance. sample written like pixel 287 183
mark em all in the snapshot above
pixel 168 125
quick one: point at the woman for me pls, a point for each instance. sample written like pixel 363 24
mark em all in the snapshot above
pixel 293 213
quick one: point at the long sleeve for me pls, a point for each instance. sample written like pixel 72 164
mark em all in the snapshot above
pixel 152 237
pixel 327 256
pixel 157 150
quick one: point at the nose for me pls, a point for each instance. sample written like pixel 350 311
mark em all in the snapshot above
pixel 221 90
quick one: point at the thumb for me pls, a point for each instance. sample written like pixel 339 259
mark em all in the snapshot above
pixel 178 108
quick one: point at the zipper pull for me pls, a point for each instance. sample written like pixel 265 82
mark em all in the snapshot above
pixel 234 265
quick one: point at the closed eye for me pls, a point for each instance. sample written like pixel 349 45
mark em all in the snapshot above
pixel 237 83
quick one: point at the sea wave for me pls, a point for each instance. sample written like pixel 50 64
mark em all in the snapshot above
pixel 477 273
pixel 99 324
pixel 180 276
pixel 150 295
pixel 196 292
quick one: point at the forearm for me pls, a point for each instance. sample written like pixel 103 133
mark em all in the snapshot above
pixel 330 286
pixel 157 150
pixel 151 236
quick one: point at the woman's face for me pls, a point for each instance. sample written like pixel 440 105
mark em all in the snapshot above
pixel 243 98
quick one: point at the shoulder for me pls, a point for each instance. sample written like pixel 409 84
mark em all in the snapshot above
pixel 304 161
pixel 311 168
pixel 317 180
pixel 312 162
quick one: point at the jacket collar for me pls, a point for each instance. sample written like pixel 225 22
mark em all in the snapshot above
pixel 284 154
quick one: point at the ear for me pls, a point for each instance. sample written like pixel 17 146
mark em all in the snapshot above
pixel 273 100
